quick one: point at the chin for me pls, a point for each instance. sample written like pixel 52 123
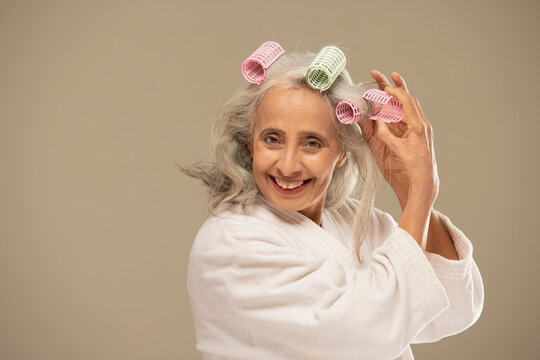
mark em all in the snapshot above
pixel 290 205
pixel 293 200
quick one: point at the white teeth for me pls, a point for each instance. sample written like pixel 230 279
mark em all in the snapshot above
pixel 289 186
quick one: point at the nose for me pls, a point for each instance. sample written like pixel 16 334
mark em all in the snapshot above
pixel 289 165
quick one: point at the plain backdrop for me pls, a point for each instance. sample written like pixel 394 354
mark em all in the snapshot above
pixel 99 99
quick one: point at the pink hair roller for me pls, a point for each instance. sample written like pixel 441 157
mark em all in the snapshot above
pixel 255 66
pixel 349 112
pixel 385 107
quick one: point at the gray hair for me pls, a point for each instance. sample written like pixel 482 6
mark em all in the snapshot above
pixel 229 177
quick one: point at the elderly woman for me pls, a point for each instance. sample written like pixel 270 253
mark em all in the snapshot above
pixel 289 265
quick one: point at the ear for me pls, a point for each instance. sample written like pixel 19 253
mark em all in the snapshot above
pixel 250 148
pixel 342 159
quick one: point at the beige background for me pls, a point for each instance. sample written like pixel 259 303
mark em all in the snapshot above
pixel 98 100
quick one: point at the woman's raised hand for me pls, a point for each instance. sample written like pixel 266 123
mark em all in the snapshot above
pixel 404 150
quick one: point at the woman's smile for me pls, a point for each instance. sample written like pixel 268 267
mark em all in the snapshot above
pixel 289 187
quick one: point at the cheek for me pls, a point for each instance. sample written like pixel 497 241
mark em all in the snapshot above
pixel 262 159
pixel 322 165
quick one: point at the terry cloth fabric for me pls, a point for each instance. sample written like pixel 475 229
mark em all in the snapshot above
pixel 271 284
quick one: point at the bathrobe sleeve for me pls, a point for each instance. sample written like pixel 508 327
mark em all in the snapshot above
pixel 462 283
pixel 255 297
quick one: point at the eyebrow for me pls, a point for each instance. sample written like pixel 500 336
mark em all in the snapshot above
pixel 302 133
pixel 313 134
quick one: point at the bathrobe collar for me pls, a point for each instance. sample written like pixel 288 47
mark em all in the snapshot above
pixel 323 240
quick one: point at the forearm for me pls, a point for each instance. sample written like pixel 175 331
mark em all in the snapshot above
pixel 438 239
pixel 415 218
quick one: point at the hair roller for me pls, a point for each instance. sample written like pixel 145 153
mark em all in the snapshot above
pixel 385 107
pixel 255 66
pixel 349 112
pixel 325 68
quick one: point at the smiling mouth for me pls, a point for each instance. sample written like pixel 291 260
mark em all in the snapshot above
pixel 289 185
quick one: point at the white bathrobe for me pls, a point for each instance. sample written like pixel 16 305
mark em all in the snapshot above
pixel 266 283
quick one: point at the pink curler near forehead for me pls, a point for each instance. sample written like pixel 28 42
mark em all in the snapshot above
pixel 385 107
pixel 349 112
pixel 255 66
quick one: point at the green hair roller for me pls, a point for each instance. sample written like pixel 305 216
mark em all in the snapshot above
pixel 325 68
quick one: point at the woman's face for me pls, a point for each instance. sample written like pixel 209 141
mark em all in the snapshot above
pixel 295 150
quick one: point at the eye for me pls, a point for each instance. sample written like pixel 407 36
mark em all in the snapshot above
pixel 271 139
pixel 313 144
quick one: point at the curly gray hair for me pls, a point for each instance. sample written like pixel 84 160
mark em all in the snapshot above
pixel 229 177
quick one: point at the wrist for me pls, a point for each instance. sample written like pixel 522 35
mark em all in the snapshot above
pixel 418 196
pixel 421 204
pixel 420 190
pixel 402 193
pixel 424 192
pixel 415 220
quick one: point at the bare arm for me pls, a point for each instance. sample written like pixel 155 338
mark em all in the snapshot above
pixel 438 239
pixel 405 153
pixel 413 220
pixel 416 217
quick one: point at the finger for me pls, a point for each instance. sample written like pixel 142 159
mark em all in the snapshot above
pixel 384 134
pixel 426 122
pixel 419 108
pixel 382 81
pixel 399 81
pixel 413 120
pixel 367 128
pixel 422 116
pixel 398 129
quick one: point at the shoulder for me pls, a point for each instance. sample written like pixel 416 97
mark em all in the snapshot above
pixel 234 226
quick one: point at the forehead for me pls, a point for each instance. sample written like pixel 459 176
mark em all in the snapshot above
pixel 294 109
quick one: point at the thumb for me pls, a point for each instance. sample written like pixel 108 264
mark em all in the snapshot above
pixel 384 134
pixel 367 127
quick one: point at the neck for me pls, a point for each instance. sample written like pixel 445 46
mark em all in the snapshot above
pixel 314 214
